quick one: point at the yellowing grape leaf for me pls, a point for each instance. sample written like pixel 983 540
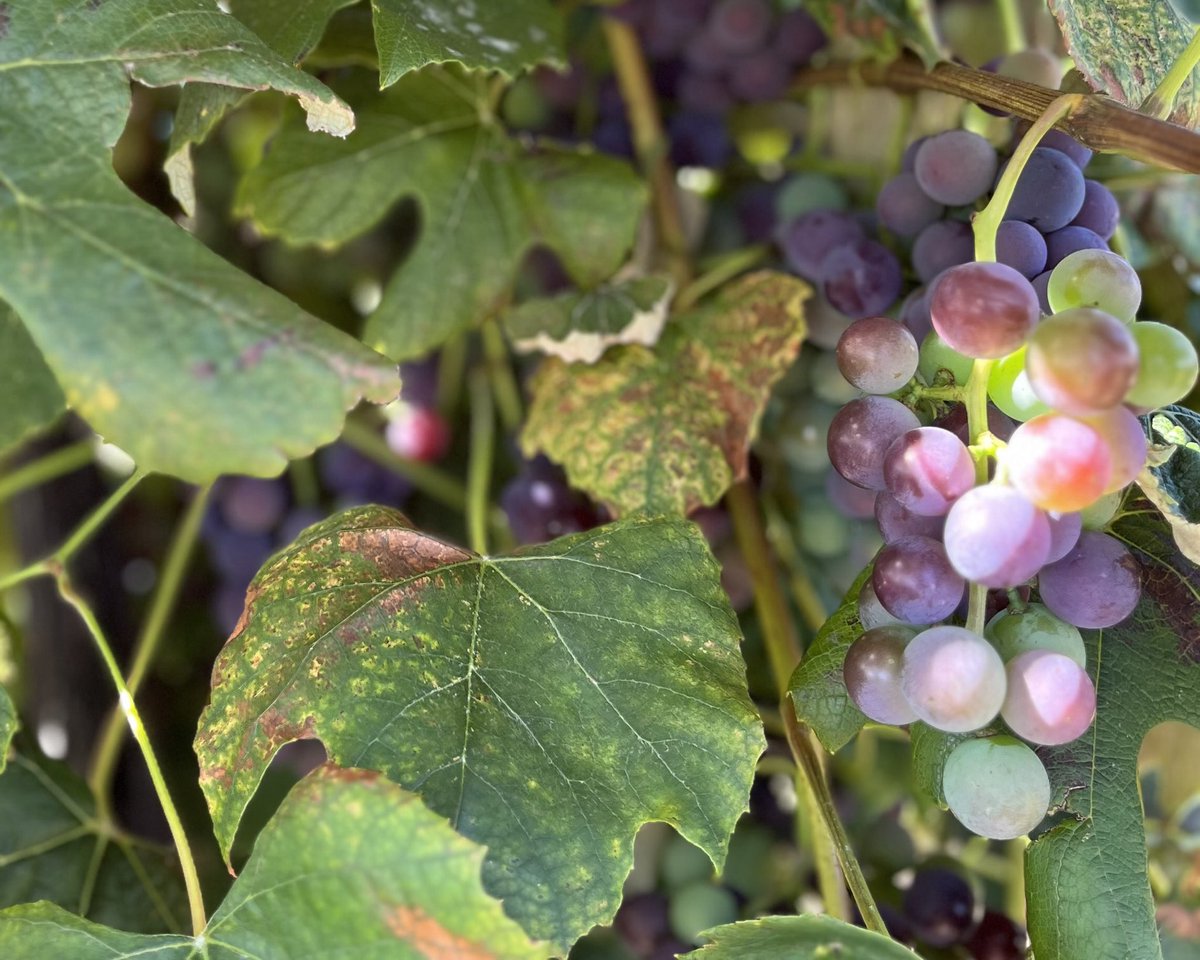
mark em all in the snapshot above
pixel 549 702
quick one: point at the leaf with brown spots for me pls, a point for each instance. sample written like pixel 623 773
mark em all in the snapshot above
pixel 549 702
pixel 351 865
pixel 1088 894
pixel 668 429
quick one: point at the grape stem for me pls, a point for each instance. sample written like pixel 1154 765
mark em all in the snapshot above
pixel 975 400
pixel 480 459
pixel 53 465
pixel 1014 28
pixel 1160 103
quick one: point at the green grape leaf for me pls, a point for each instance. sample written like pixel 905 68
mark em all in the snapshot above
pixel 809 937
pixel 881 28
pixel 579 325
pixel 817 688
pixel 30 397
pixel 53 848
pixel 188 364
pixel 1086 879
pixel 549 702
pixel 930 749
pixel 507 36
pixel 289 27
pixel 484 200
pixel 9 725
pixel 669 429
pixel 351 865
pixel 1124 48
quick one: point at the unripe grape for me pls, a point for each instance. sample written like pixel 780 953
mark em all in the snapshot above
pixel 1058 462
pixel 1095 278
pixel 1167 366
pixel 1014 632
pixel 1010 390
pixel 936 356
pixel 1082 361
pixel 953 679
pixel 1050 699
pixel 983 310
pixel 996 787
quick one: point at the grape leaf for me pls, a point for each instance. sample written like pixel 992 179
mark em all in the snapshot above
pixel 881 27
pixel 8 726
pixel 30 397
pixel 1087 888
pixel 507 36
pixel 930 750
pixel 484 200
pixel 669 429
pixel 1179 476
pixel 579 325
pixel 190 365
pixel 817 688
pixel 1124 48
pixel 52 847
pixel 548 702
pixel 351 865
pixel 810 937
pixel 289 27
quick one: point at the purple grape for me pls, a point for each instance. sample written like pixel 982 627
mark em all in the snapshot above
pixel 756 208
pixel 1098 584
pixel 1064 534
pixel 955 420
pixel 953 679
pixel 1049 192
pixel 760 76
pixel 996 537
pixel 699 140
pixel 419 381
pixel 904 208
pixel 705 55
pixel 704 94
pixel 877 355
pixel 983 309
pixel 1057 140
pixel 927 469
pixel 1021 247
pixel 908 162
pixel 807 240
pixel 871 672
pixel 613 136
pixel 997 938
pixel 1062 243
pixel 871 613
pixel 848 498
pixel 540 506
pixel 941 245
pixel 941 907
pixel 956 167
pixel 915 582
pixel 739 26
pixel 1100 212
pixel 914 314
pixel 670 25
pixel 860 434
pixel 896 521
pixel 236 556
pixel 642 921
pixel 1040 284
pixel 861 278
pixel 797 36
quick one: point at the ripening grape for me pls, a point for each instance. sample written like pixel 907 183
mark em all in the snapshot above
pixel 1098 584
pixel 1050 699
pixel 1167 366
pixel 956 167
pixel 1058 462
pixel 1034 627
pixel 1082 361
pixel 983 310
pixel 1010 390
pixel 1064 534
pixel 927 469
pixel 915 581
pixel 996 537
pixel 996 787
pixel 936 356
pixel 1097 515
pixel 1126 445
pixel 828 382
pixel 1095 278
pixel 941 907
pixel 877 355
pixel 872 674
pixel 871 613
pixel 953 679
pixel 860 434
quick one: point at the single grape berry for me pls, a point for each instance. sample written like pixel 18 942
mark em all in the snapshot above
pixel 1098 279
pixel 1082 361
pixel 860 434
pixel 1126 441
pixel 997 938
pixel 1098 584
pixel 877 355
pixel 994 536
pixel 941 907
pixel 1010 390
pixel 941 245
pixel 904 208
pixel 861 278
pixel 927 469
pixel 1049 192
pixel 996 787
pixel 895 520
pixel 1058 462
pixel 915 582
pixel 872 674
pixel 1034 627
pixel 953 679
pixel 418 433
pixel 1050 699
pixel 984 310
pixel 1167 366
pixel 955 167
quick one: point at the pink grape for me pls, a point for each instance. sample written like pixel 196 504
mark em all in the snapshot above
pixel 983 310
pixel 996 537
pixel 953 679
pixel 1098 584
pixel 1126 442
pixel 1064 534
pixel 1082 361
pixel 1050 698
pixel 1058 462
pixel 872 674
pixel 927 469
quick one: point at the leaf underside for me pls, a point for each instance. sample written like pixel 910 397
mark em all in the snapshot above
pixel 808 937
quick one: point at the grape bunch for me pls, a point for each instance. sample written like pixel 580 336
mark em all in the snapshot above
pixel 1058 351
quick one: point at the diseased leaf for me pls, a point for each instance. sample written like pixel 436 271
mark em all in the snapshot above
pixel 8 726
pixel 817 688
pixel 53 848
pixel 507 36
pixel 669 429
pixel 1125 47
pixel 289 27
pixel 809 937
pixel 351 865
pixel 882 27
pixel 549 702
pixel 484 201
pixel 1086 879
pixel 188 364
pixel 30 397
pixel 579 325
pixel 1176 431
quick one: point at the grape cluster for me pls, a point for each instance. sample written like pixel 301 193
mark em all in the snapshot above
pixel 1050 324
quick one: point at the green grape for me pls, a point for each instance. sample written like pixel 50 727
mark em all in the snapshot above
pixel 1095 278
pixel 996 787
pixel 699 907
pixel 1167 366
pixel 802 435
pixel 684 863
pixel 807 192
pixel 936 355
pixel 1015 631
pixel 1097 516
pixel 824 532
pixel 1009 388
pixel 828 381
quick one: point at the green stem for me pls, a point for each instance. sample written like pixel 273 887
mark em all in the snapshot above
pixel 987 221
pixel 62 461
pixel 479 465
pixel 190 877
pixel 809 762
pixel 725 268
pixel 452 370
pixel 429 480
pixel 1162 101
pixel 1013 26
pixel 503 379
pixel 157 619
pixel 804 593
pixel 975 399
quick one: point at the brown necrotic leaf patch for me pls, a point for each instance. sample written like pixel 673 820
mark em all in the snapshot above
pixel 429 938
